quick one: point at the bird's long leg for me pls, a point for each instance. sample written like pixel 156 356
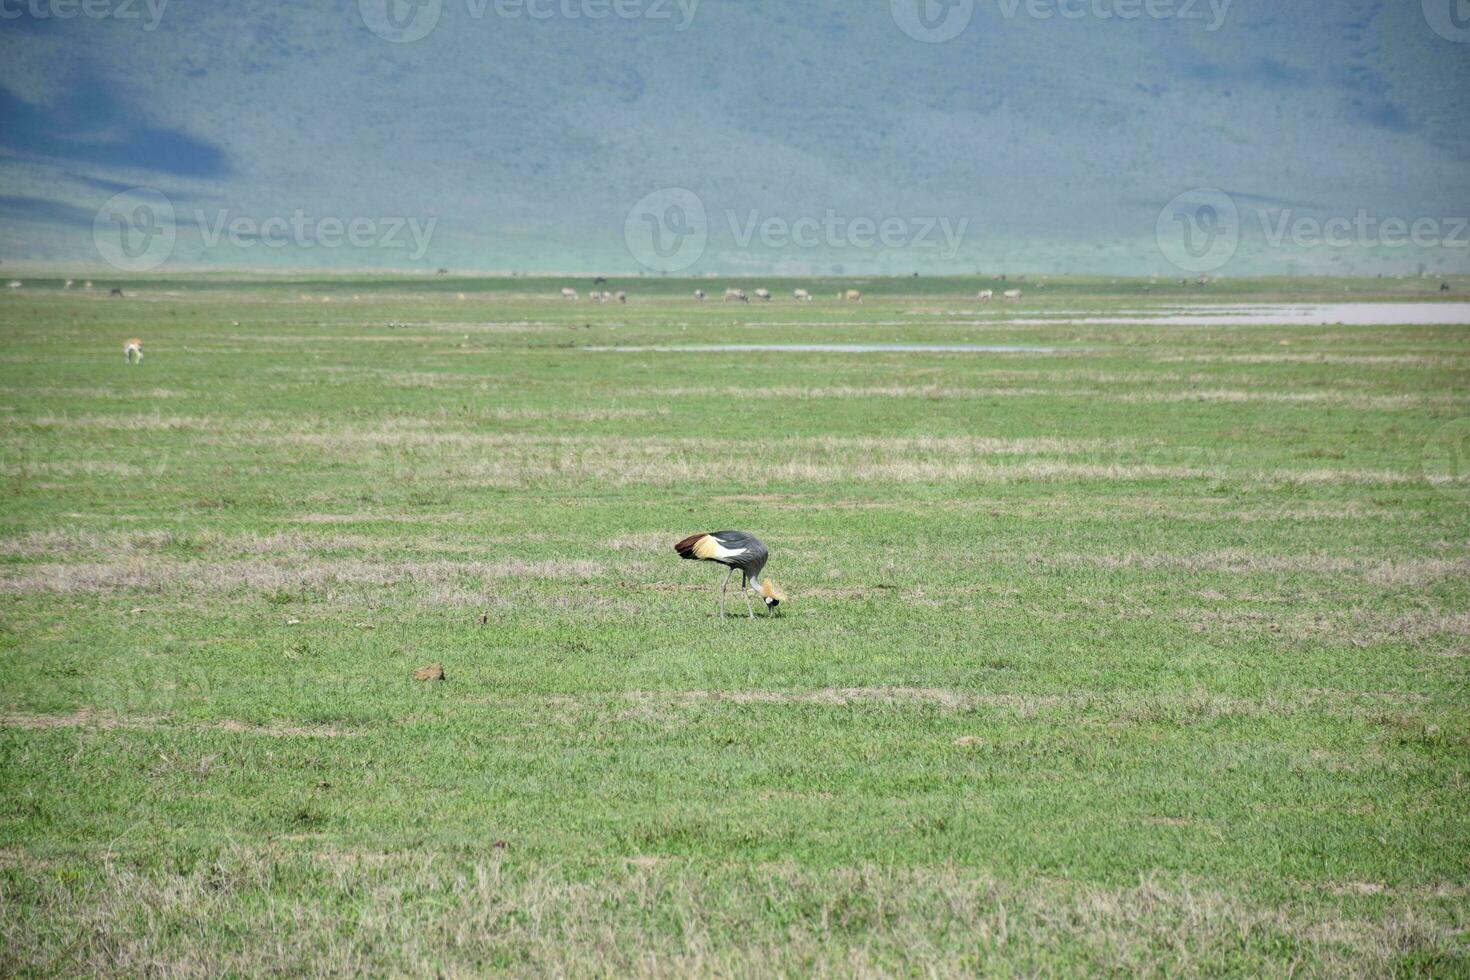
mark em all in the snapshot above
pixel 745 591
pixel 722 592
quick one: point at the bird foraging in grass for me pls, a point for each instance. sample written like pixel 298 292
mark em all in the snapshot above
pixel 739 552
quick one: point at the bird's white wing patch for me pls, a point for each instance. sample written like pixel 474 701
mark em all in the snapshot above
pixel 722 552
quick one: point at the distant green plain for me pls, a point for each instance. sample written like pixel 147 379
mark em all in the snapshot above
pixel 1144 657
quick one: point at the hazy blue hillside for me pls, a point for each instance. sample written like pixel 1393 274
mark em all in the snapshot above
pixel 1058 141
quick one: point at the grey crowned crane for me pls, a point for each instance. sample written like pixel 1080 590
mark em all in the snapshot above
pixel 739 552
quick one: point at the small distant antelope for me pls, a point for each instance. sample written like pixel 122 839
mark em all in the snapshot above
pixel 1444 287
pixel 986 294
pixel 763 294
pixel 68 284
pixel 116 292
pixel 853 296
pixel 568 293
pixel 13 284
pixel 701 295
pixel 87 284
pixel 622 297
pixel 133 350
pixel 802 296
pixel 1012 294
pixel 736 295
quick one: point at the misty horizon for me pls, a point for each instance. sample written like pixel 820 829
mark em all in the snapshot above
pixel 1106 137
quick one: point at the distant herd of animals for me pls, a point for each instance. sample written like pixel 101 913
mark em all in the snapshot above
pixel 846 296
pixel 597 296
pixel 731 295
pixel 114 291
pixel 764 295
pixel 133 347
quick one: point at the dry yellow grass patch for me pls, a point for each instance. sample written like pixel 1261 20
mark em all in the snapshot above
pixel 517 460
pixel 1173 707
pixel 90 718
pixel 799 392
pixel 439 580
pixel 100 392
pixel 429 914
pixel 1378 571
pixel 77 467
pixel 60 542
pixel 1450 361
pixel 1337 398
pixel 119 545
pixel 659 541
pixel 149 422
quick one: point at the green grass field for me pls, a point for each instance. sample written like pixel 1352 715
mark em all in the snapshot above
pixel 1143 657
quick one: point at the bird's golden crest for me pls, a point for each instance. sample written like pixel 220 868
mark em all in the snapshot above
pixel 771 590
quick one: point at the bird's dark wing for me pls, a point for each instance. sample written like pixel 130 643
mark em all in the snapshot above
pixel 735 549
pixel 754 553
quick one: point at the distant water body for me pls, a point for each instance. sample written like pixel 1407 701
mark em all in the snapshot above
pixel 831 349
pixel 1305 315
